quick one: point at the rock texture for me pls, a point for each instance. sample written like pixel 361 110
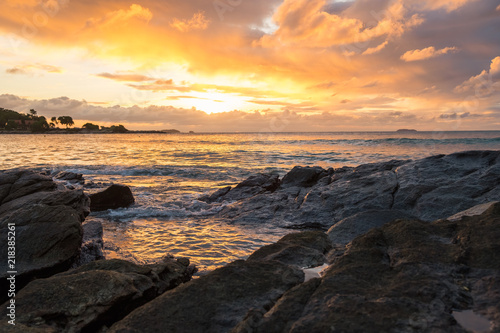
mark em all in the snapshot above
pixel 92 243
pixel 95 295
pixel 216 302
pixel 431 188
pixel 47 224
pixel 115 196
pixel 407 276
pixel 306 249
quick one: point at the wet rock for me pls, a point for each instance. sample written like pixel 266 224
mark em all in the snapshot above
pixel 304 176
pixel 115 196
pixel 92 243
pixel 407 276
pixel 252 186
pixel 70 177
pixel 214 197
pixel 94 295
pixel 215 302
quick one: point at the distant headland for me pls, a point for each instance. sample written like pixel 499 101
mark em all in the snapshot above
pixel 405 130
pixel 13 122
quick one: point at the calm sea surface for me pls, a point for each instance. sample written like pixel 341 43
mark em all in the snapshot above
pixel 167 173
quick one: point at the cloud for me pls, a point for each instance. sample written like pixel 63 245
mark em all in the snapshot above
pixel 197 22
pixel 427 53
pixel 449 5
pixel 306 23
pixel 455 115
pixel 376 49
pixel 185 119
pixel 485 83
pixel 28 68
pixel 125 77
pixel 120 17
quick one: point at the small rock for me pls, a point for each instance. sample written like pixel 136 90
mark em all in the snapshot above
pixel 304 176
pixel 115 196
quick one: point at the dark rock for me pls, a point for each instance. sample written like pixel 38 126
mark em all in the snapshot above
pixel 305 249
pixel 252 186
pixel 48 224
pixel 284 313
pixel 440 186
pixel 407 276
pixel 48 240
pixel 93 296
pixel 22 183
pixel 75 199
pixel 304 176
pixel 71 177
pixel 428 189
pixel 215 302
pixel 92 243
pixel 216 195
pixel 115 196
pixel 343 232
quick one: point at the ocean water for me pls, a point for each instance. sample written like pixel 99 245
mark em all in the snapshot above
pixel 169 172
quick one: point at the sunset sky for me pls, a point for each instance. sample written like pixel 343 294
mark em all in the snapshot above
pixel 255 65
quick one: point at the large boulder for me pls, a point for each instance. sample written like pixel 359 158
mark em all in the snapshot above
pixel 47 224
pixel 95 295
pixel 48 240
pixel 115 196
pixel 407 276
pixel 215 302
pixel 18 183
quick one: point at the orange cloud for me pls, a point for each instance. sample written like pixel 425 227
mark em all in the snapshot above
pixel 125 77
pixel 427 53
pixel 485 83
pixel 306 23
pixel 376 49
pixel 197 22
pixel 120 17
pixel 25 69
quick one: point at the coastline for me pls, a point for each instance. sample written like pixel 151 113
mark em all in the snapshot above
pixel 376 232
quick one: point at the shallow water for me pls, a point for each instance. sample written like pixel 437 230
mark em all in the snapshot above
pixel 168 172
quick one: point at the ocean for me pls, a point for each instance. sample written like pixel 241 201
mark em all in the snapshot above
pixel 169 172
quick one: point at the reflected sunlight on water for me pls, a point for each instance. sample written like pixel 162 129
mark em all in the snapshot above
pixel 168 172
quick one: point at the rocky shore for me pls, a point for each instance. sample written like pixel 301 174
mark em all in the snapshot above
pixel 397 246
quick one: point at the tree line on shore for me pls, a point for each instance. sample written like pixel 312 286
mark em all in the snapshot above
pixel 11 120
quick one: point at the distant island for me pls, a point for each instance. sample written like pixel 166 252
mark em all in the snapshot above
pixel 405 130
pixel 13 122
